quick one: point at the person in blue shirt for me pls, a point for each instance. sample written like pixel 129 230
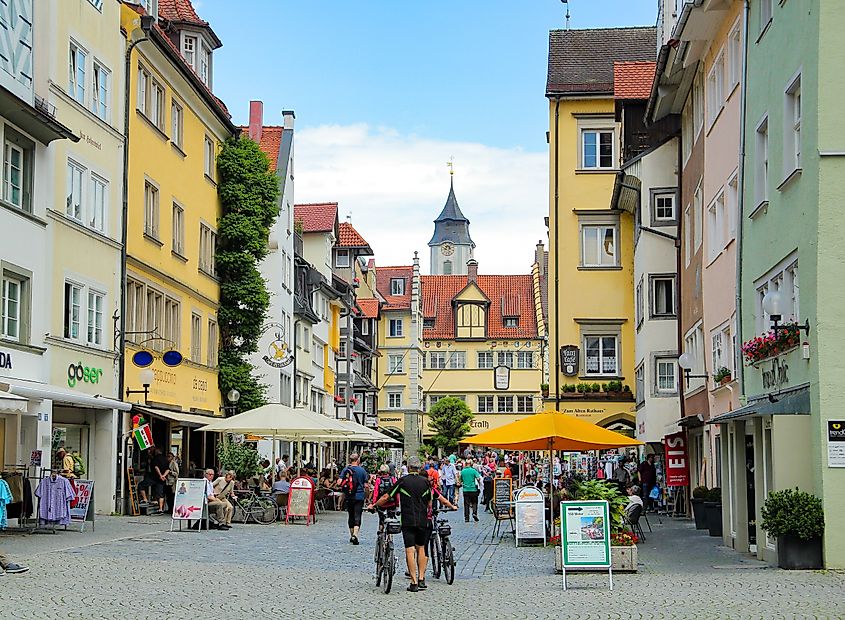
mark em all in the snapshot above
pixel 352 479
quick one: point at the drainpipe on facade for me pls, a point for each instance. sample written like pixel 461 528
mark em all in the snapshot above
pixel 740 371
pixel 556 351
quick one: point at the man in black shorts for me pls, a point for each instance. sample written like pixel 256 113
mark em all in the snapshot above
pixel 414 495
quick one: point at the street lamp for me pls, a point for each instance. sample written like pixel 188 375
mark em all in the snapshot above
pixel 773 306
pixel 146 376
pixel 686 362
pixel 233 397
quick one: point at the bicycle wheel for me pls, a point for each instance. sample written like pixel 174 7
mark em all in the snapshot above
pixel 263 510
pixel 388 568
pixel 448 561
pixel 434 555
pixel 378 561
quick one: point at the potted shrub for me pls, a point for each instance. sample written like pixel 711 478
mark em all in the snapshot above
pixel 582 388
pixel 722 376
pixel 699 494
pixel 544 389
pixel 569 391
pixel 595 388
pixel 713 508
pixel 796 519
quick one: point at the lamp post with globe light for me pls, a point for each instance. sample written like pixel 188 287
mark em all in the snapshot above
pixel 773 305
pixel 686 362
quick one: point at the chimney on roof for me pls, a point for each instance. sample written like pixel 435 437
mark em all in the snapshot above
pixel 256 120
pixel 539 257
pixel 472 270
pixel 289 116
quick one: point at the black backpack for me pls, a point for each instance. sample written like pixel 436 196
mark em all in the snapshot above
pixel 385 487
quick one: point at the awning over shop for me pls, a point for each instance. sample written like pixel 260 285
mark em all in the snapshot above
pixel 184 419
pixel 9 403
pixel 795 401
pixel 45 391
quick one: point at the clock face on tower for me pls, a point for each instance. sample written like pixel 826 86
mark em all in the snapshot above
pixel 447 249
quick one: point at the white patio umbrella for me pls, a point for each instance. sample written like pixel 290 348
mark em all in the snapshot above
pixel 364 434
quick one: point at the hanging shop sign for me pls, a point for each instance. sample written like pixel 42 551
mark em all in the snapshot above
pixel 502 377
pixel 279 353
pixel 77 373
pixel 836 443
pixel 569 360
pixel 677 463
pixel 301 499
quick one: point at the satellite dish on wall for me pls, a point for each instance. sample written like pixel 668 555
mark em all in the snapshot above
pixel 171 358
pixel 142 359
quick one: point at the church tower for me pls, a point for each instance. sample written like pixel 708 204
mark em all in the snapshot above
pixel 451 246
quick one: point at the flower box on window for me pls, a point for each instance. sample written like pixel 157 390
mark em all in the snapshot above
pixel 771 344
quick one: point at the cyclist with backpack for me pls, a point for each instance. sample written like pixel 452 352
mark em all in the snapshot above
pixel 383 485
pixel 352 479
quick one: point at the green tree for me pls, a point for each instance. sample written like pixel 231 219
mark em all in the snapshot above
pixel 249 191
pixel 450 418
pixel 241 458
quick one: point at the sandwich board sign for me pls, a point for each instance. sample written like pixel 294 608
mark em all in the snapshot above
pixel 585 536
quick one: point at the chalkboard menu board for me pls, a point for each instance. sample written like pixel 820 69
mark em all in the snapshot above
pixel 502 490
pixel 301 499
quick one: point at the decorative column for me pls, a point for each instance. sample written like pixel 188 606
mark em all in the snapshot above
pixel 413 415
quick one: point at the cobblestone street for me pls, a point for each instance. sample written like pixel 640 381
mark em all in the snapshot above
pixel 136 568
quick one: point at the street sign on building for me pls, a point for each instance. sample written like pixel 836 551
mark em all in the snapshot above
pixel 502 377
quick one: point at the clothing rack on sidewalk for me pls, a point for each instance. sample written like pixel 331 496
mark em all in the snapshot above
pixel 25 524
pixel 46 528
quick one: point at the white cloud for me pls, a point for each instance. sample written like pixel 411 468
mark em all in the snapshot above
pixel 394 185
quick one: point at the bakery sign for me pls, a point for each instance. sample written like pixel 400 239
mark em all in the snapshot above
pixel 278 353
pixel 569 360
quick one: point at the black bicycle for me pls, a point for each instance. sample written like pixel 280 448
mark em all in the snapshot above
pixel 441 553
pixel 385 556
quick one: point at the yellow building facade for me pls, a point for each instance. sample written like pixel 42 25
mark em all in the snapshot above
pixel 177 128
pixel 591 297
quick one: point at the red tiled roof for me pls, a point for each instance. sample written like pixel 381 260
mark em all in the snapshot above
pixel 369 307
pixel 271 140
pixel 350 238
pixel 383 277
pixel 179 10
pixel 511 294
pixel 316 216
pixel 632 80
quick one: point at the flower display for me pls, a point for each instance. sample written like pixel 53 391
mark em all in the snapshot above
pixel 770 344
pixel 555 540
pixel 624 539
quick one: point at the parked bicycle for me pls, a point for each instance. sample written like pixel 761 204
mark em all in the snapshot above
pixel 441 553
pixel 385 556
pixel 249 505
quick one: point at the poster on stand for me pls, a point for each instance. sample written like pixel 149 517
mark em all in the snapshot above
pixel 189 500
pixel 585 534
pixel 83 510
pixel 530 514
pixel 301 499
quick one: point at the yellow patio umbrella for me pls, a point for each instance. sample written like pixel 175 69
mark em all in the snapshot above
pixel 551 431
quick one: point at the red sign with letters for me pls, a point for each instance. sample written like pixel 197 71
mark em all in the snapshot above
pixel 677 460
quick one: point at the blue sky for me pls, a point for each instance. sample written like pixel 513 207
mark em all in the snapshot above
pixel 380 84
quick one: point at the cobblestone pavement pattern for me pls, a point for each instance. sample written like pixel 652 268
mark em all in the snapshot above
pixel 135 568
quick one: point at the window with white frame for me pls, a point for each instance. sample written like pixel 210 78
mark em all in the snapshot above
pixel 178 236
pixel 735 52
pixel 196 337
pixel 100 91
pixel 694 345
pixel 598 245
pixel 698 102
pixel 12 307
pixel 14 162
pixel 458 360
pixel 510 321
pixel 96 302
pixel 172 322
pixel 437 359
pixel 396 328
pixel 765 13
pixel 485 359
pixel 73 311
pixel 341 258
pixel 732 205
pixel 432 400
pixel 150 7
pixel 716 88
pixel 524 404
pixel 141 100
pixel 134 310
pixel 721 340
pixel 208 248
pixel 698 217
pixel 211 350
pixel 485 404
pixel 504 404
pixel 666 375
pixel 717 225
pixel 156 109
pixel 597 146
pixel 75 181
pixel 394 400
pixel 397 286
pixel 154 320
pixel 662 296
pixel 99 203
pixel 663 208
pixel 687 129
pixel 784 279
pixel 189 49
pixel 525 359
pixel 601 356
pixel 505 358
pixel 76 72
pixel 365 327
pixel 177 123
pixel 209 157
pixel 761 164
pixel 639 306
pixel 151 210
pixel 395 364
pixel 792 127
pixel 688 234
pixel 639 383
pixel 205 64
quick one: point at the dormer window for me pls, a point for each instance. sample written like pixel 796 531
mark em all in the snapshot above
pixel 397 286
pixel 471 321
pixel 428 323
pixel 197 54
pixel 189 50
pixel 150 7
pixel 511 321
pixel 341 258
